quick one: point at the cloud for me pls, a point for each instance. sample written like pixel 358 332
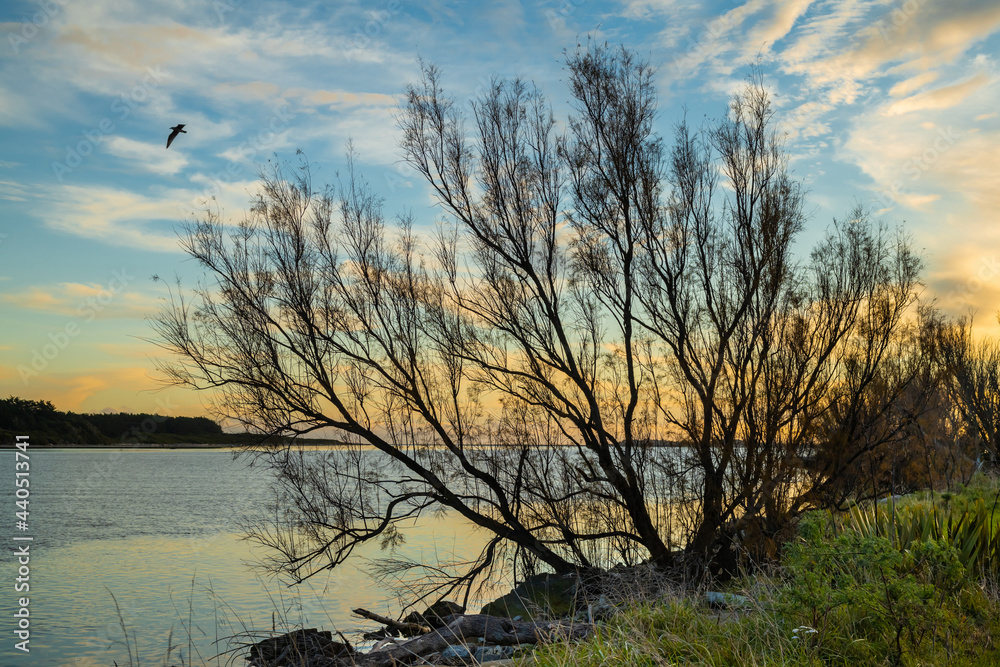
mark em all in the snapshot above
pixel 111 215
pixel 17 109
pixel 778 25
pixel 91 301
pixel 734 38
pixel 939 98
pixel 265 91
pixel 903 157
pixel 153 158
pixel 138 47
pixel 913 83
pixel 342 99
pixel 97 383
pixel 12 191
pixel 248 91
pixel 927 34
pixel 804 120
pixel 967 277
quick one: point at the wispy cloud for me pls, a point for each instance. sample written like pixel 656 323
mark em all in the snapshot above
pixel 114 216
pixel 913 83
pixel 147 157
pixel 92 300
pixel 14 191
pixel 939 98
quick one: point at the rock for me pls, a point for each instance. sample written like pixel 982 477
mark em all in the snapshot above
pixel 377 635
pixel 598 610
pixel 543 595
pixel 301 647
pixel 490 653
pixel 456 652
pixel 490 630
pixel 437 615
pixel 726 600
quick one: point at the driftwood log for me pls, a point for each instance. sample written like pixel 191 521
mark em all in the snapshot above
pixel 407 629
pixel 494 630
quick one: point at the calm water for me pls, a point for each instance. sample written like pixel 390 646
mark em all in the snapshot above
pixel 158 530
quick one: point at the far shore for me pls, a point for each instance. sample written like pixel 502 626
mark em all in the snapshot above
pixel 171 445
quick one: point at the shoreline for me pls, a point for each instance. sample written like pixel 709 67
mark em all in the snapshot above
pixel 166 445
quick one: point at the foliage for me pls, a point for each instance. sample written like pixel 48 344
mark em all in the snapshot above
pixel 841 598
pixel 856 586
pixel 973 530
pixel 47 426
pixel 44 424
pixel 678 632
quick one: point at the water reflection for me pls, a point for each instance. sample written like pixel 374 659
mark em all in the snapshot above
pixel 158 530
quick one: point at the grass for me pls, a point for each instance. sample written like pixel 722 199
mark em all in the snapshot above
pixel 842 596
pixel 185 653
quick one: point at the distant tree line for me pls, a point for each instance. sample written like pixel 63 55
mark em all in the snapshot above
pixel 48 426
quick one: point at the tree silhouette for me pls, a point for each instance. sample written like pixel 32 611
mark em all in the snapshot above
pixel 607 353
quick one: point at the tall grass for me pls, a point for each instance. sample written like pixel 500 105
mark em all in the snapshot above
pixel 910 583
pixel 970 525
pixel 233 635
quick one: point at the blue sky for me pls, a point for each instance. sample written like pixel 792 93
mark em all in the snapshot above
pixel 895 105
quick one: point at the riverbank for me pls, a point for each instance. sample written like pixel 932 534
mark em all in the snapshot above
pixel 45 426
pixel 912 580
pixel 853 589
pixel 915 581
pixel 238 440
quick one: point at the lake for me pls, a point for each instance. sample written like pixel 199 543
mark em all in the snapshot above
pixel 158 530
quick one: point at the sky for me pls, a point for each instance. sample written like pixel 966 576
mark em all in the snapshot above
pixel 894 105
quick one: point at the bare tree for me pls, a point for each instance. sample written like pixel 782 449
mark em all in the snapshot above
pixel 590 299
pixel 774 363
pixel 974 383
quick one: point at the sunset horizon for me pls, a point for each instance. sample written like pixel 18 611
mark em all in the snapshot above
pixel 890 105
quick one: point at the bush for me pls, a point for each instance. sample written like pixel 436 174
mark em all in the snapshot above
pixel 865 597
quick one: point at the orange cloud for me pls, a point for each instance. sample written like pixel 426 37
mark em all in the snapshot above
pixel 89 302
pixel 95 389
pixel 139 46
pixel 945 97
pixel 913 83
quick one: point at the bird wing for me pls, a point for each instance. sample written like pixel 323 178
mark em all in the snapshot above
pixel 171 138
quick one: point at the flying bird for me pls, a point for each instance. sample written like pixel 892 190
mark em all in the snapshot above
pixel 177 129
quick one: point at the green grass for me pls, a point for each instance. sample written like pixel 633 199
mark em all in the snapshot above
pixel 843 595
